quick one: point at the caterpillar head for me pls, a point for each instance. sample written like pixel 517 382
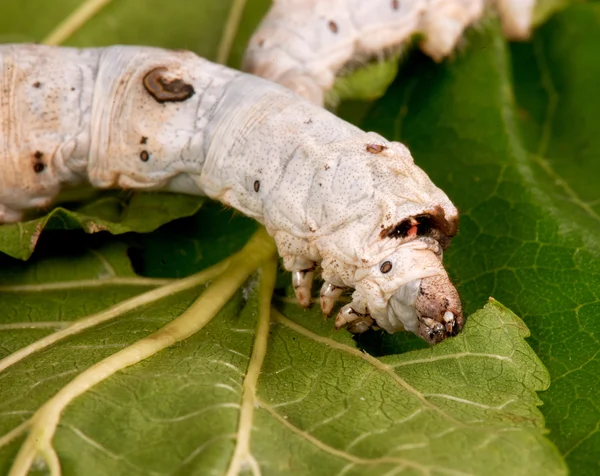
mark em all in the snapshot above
pixel 389 245
pixel 407 288
pixel 410 290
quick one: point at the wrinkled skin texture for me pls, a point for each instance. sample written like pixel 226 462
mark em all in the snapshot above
pixel 346 203
pixel 304 44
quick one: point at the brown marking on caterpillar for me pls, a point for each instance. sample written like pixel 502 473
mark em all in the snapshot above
pixel 38 155
pixel 164 90
pixel 395 4
pixel 38 167
pixel 144 140
pixel 256 186
pixel 386 267
pixel 326 167
pixel 431 223
pixel 261 42
pixel 37 84
pixel 333 26
pixel 375 148
pixel 397 231
pixel 144 156
pixel 448 226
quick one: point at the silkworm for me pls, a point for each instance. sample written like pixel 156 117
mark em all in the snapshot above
pixel 304 44
pixel 346 203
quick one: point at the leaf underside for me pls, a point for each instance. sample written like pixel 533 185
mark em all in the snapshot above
pixel 467 405
pixel 508 131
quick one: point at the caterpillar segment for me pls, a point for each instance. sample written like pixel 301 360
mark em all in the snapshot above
pixel 305 44
pixel 346 203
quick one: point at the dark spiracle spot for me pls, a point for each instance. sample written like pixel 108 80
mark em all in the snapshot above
pixel 38 167
pixel 386 267
pixel 395 4
pixel 166 90
pixel 38 155
pixel 144 156
pixel 256 186
pixel 375 148
pixel 37 84
pixel 333 26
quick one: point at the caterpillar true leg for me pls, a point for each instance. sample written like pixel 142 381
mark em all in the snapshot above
pixel 302 281
pixel 330 293
pixel 356 321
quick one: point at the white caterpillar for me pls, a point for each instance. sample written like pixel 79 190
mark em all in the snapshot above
pixel 304 44
pixel 329 193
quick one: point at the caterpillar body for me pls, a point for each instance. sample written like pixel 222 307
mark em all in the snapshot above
pixel 304 44
pixel 333 197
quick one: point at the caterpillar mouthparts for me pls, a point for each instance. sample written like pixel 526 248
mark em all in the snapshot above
pixel 439 309
pixel 415 294
pixel 428 307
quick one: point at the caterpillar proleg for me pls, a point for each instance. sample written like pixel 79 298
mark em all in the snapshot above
pixel 304 44
pixel 347 202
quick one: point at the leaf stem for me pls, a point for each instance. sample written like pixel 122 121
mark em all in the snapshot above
pixel 74 21
pixel 242 456
pixel 85 283
pixel 45 421
pixel 115 311
pixel 230 30
pixel 15 433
